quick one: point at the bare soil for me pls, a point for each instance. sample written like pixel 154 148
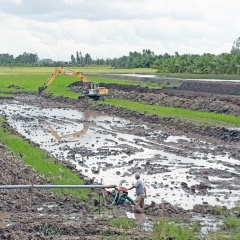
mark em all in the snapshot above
pixel 63 217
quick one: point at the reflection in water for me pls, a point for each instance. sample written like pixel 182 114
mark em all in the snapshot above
pixel 70 135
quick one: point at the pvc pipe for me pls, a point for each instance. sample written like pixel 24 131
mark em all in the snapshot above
pixel 54 186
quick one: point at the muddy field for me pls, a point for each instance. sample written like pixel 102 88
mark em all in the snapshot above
pixel 187 168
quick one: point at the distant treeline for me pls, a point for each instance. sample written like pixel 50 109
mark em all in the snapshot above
pixel 32 59
pixel 225 63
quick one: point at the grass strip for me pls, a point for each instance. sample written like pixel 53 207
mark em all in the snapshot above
pixel 86 70
pixel 162 111
pixel 39 160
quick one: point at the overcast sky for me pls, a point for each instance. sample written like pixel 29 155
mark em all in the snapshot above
pixel 112 28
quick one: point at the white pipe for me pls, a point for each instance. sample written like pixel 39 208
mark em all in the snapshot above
pixel 54 186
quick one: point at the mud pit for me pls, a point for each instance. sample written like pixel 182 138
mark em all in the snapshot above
pixel 183 164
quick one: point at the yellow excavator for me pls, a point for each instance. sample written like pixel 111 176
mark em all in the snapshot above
pixel 89 89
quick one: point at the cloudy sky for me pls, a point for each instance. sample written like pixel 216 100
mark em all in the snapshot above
pixel 112 28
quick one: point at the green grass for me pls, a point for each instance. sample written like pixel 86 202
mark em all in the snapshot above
pixel 219 210
pixel 126 223
pixel 5 95
pixel 25 83
pixel 195 116
pixel 164 229
pixel 9 84
pixel 39 160
pixel 230 230
pixel 232 223
pixel 30 78
pixel 16 71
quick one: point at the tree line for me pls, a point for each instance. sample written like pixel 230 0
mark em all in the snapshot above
pixel 32 59
pixel 25 58
pixel 225 63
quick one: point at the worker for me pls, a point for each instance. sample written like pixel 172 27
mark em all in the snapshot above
pixel 141 193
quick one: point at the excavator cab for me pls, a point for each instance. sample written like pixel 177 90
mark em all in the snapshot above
pixel 92 90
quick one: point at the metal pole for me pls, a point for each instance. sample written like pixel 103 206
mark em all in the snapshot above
pixel 31 190
pixel 99 203
pixel 29 186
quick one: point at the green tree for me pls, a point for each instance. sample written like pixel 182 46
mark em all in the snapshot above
pixel 5 58
pixel 236 46
pixel 27 58
pixel 78 58
pixel 73 60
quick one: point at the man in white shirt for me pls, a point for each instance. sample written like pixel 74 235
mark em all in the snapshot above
pixel 141 193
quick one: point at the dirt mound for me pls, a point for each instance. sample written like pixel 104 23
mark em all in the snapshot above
pixel 224 88
pixel 190 95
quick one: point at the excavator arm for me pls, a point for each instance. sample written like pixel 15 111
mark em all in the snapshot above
pixel 61 70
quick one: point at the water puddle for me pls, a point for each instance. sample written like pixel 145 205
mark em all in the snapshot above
pixel 111 150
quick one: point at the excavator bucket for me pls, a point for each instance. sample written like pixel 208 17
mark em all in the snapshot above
pixel 41 89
